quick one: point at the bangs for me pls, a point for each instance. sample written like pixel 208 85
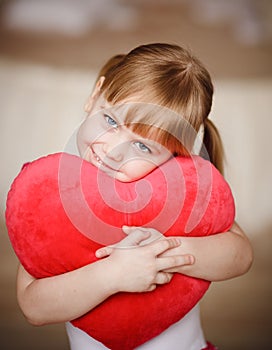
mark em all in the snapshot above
pixel 159 124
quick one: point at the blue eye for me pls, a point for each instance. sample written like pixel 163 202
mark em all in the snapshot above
pixel 142 147
pixel 110 121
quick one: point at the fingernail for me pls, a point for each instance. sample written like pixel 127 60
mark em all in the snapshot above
pixel 191 259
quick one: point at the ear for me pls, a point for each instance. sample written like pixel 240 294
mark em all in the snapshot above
pixel 89 104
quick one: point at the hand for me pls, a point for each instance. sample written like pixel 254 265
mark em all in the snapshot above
pixel 137 236
pixel 140 269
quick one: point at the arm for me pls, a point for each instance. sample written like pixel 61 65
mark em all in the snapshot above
pixel 217 257
pixel 48 300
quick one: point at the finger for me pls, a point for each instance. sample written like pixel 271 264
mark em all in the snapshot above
pixel 153 234
pixel 151 288
pixel 133 239
pixel 169 262
pixel 128 229
pixel 138 236
pixel 103 252
pixel 162 245
pixel 187 260
pixel 163 277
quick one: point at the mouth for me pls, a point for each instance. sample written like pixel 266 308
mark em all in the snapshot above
pixel 100 163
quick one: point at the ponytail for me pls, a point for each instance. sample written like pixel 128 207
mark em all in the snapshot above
pixel 212 148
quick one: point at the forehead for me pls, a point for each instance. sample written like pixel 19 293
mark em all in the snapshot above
pixel 134 111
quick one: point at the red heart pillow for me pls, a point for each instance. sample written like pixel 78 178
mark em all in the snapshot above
pixel 61 209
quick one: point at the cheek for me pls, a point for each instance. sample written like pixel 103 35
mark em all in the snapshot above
pixel 88 132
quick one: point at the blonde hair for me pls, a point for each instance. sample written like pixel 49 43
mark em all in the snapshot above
pixel 171 78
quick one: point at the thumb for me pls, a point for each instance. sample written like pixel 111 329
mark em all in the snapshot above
pixel 103 252
pixel 128 229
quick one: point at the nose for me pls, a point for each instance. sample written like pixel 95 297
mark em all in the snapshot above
pixel 115 148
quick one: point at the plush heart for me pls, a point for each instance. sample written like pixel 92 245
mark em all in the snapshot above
pixel 61 209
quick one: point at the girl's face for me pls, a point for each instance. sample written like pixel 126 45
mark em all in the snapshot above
pixel 107 143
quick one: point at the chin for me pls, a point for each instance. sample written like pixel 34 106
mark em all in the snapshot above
pixel 122 178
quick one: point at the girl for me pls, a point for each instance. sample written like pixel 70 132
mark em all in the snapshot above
pixel 128 144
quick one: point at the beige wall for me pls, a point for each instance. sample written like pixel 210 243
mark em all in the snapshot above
pixel 242 111
pixel 40 107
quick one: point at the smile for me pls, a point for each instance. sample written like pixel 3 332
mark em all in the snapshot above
pixel 98 159
pixel 100 162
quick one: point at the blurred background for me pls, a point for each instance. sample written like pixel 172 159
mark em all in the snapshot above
pixel 50 52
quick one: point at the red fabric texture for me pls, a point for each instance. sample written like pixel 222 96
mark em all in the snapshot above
pixel 210 346
pixel 61 209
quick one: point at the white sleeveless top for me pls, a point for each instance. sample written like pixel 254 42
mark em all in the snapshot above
pixel 186 334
